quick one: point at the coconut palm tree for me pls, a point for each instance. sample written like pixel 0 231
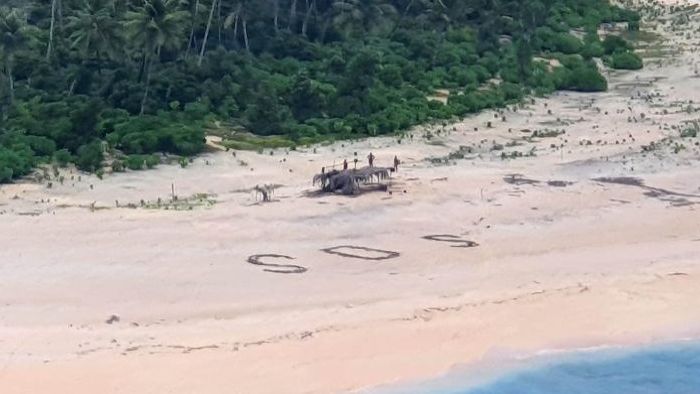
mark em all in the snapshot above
pixel 206 32
pixel 95 30
pixel 365 15
pixel 194 6
pixel 239 16
pixel 156 25
pixel 423 9
pixel 14 37
pixel 55 5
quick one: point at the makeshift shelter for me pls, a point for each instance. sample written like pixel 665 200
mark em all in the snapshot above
pixel 349 181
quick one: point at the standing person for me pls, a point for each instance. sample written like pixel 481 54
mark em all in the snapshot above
pixel 370 158
pixel 345 164
pixel 396 164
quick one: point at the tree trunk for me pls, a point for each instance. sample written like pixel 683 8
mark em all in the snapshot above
pixel 324 29
pixel 191 42
pixel 292 14
pixel 11 77
pixel 245 35
pixel 98 60
pixel 218 20
pixel 235 28
pixel 307 16
pixel 72 86
pixel 148 85
pixel 59 9
pixel 53 20
pixel 142 67
pixel 276 7
pixel 206 33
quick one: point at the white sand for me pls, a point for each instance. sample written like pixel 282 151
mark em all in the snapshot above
pixel 557 267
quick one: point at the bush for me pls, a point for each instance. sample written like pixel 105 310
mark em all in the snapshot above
pixel 117 166
pixel 62 157
pixel 14 163
pixel 150 134
pixel 613 44
pixel 135 162
pixel 626 61
pixel 593 49
pixel 152 161
pixel 90 156
pixel 585 79
pixel 568 44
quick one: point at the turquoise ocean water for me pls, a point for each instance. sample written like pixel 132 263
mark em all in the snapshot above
pixel 671 369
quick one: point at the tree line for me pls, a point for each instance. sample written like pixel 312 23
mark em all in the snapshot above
pixel 94 81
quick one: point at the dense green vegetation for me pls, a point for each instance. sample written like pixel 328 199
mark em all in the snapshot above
pixel 96 82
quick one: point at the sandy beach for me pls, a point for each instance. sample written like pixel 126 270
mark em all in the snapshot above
pixel 584 208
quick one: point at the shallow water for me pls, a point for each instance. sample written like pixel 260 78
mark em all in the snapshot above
pixel 673 369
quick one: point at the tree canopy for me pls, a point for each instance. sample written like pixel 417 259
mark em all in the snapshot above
pixel 81 78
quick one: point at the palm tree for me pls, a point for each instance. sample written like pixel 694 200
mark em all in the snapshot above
pixel 310 8
pixel 239 17
pixel 55 4
pixel 156 25
pixel 363 15
pixel 95 30
pixel 193 6
pixel 424 9
pixel 14 36
pixel 206 32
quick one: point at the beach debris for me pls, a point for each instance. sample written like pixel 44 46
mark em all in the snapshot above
pixel 265 192
pixel 559 183
pixel 112 319
pixel 517 179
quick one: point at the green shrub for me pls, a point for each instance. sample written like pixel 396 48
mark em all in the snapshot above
pixel 566 43
pixel 89 156
pixel 62 157
pixel 593 49
pixel 626 61
pixel 135 162
pixel 613 44
pixel 585 79
pixel 15 163
pixel 152 161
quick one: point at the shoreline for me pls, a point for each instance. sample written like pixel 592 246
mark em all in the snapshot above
pixel 495 368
